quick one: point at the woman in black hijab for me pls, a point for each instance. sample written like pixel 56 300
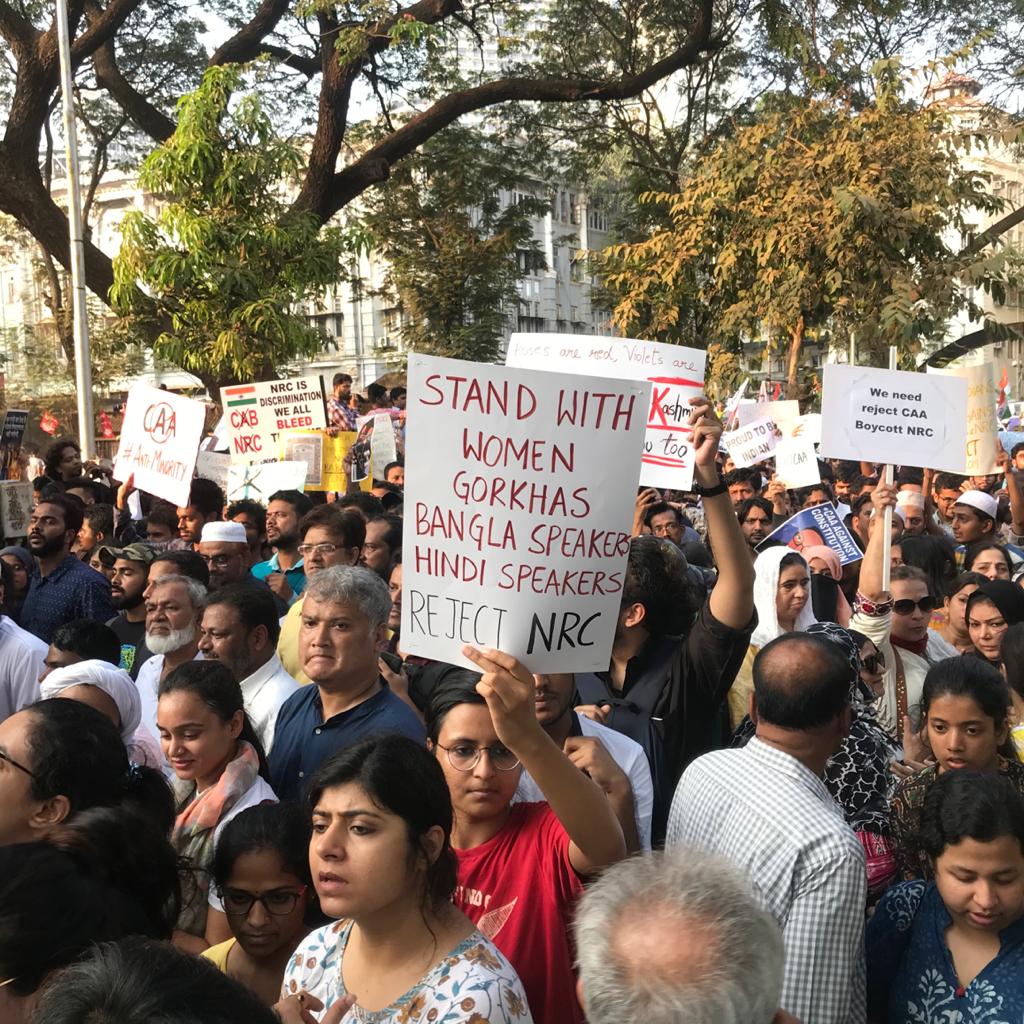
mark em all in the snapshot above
pixel 991 610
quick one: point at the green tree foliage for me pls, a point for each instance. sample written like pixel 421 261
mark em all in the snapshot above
pixel 452 243
pixel 817 215
pixel 226 257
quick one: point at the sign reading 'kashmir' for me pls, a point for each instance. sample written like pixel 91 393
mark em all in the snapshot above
pixel 519 495
pixel 676 375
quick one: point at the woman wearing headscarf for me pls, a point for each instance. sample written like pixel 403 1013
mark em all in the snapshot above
pixel 991 610
pixel 823 561
pixel 782 596
pixel 858 774
pixel 20 563
pixel 112 692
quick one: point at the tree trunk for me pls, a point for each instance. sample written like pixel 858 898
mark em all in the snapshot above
pixel 796 341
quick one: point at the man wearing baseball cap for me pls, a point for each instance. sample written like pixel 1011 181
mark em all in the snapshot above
pixel 127 585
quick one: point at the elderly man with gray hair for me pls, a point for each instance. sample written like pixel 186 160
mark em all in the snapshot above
pixel 677 936
pixel 342 629
pixel 174 606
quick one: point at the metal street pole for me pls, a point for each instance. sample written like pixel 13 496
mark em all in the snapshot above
pixel 83 371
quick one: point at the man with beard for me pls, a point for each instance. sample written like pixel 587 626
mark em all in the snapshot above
pixel 283 572
pixel 127 586
pixel 615 762
pixel 174 606
pixel 240 628
pixel 755 516
pixel 62 587
pixel 383 539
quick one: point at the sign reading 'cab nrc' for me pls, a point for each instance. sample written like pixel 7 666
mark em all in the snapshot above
pixel 258 413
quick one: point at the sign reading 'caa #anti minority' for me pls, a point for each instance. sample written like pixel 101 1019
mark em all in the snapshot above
pixel 160 438
pixel 257 414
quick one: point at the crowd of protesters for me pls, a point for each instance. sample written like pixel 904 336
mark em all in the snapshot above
pixel 796 793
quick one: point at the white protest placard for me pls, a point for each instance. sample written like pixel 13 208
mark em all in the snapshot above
pixel 258 413
pixel 805 428
pixel 784 413
pixel 160 437
pixel 214 466
pixel 982 443
pixel 519 496
pixel 796 465
pixel 733 404
pixel 383 448
pixel 15 507
pixel 676 375
pixel 752 443
pixel 261 479
pixel 893 416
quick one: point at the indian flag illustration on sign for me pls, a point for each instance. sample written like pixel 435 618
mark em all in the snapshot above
pixel 245 395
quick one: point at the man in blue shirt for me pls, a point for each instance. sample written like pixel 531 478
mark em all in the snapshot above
pixel 344 623
pixel 283 572
pixel 61 587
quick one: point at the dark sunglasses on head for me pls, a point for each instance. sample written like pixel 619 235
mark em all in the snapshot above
pixel 906 606
pixel 874 663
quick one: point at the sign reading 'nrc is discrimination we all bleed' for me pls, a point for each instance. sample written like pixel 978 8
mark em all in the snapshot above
pixel 257 414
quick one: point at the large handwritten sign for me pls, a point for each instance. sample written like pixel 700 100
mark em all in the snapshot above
pixel 913 419
pixel 257 414
pixel 676 375
pixel 519 491
pixel 160 437
pixel 982 446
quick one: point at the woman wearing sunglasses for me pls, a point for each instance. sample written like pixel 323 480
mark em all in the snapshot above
pixel 965 704
pixel 261 874
pixel 897 622
pixel 991 610
pixel 520 865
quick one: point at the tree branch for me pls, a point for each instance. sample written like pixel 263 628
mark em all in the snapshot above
pixel 246 43
pixel 991 233
pixel 374 166
pixel 309 66
pixel 102 28
pixel 153 121
pixel 20 33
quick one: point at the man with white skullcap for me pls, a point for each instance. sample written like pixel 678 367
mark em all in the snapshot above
pixel 974 517
pixel 910 506
pixel 224 548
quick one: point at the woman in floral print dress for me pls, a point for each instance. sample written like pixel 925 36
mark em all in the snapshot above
pixel 382 863
pixel 951 951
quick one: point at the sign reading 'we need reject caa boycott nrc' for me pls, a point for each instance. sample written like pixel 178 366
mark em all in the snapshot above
pixel 893 416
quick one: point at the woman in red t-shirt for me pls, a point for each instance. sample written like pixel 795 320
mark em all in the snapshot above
pixel 520 865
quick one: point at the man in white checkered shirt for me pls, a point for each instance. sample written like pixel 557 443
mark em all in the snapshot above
pixel 765 808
